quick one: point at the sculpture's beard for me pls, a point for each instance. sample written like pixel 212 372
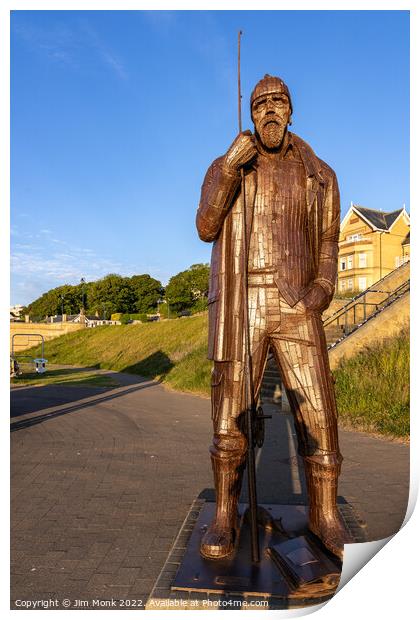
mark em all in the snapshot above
pixel 271 133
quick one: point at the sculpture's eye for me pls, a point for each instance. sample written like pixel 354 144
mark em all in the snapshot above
pixel 280 100
pixel 259 104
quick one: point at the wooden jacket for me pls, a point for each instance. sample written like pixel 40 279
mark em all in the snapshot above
pixel 219 219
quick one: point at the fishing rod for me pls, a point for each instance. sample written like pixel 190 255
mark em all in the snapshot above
pixel 250 405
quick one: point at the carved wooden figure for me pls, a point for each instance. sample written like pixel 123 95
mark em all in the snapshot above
pixel 292 228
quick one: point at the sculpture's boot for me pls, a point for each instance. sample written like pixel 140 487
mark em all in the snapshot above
pixel 219 539
pixel 325 520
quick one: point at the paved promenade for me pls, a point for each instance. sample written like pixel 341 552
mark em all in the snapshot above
pixel 102 480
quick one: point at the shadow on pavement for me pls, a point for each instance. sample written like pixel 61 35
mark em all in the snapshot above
pixel 15 426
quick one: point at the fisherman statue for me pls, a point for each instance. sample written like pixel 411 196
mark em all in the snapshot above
pixel 283 250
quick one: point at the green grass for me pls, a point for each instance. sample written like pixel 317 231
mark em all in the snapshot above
pixel 65 376
pixel 372 388
pixel 174 352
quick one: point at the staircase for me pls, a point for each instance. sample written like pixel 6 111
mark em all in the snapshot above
pixel 334 333
pixel 359 310
pixel 271 388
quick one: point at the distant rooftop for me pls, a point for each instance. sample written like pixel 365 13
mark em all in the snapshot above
pixel 378 219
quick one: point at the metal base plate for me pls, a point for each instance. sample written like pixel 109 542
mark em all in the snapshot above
pixel 237 574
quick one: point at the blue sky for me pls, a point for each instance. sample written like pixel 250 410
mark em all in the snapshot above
pixel 116 115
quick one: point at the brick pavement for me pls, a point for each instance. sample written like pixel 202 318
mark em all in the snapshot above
pixel 102 480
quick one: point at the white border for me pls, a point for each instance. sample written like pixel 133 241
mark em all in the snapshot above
pixel 387 585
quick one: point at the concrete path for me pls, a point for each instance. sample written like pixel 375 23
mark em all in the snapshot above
pixel 103 478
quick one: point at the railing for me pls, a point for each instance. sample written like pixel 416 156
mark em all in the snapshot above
pixel 349 328
pixel 361 300
pixel 29 337
pixel 356 300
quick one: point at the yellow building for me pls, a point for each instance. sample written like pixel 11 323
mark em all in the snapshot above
pixel 372 243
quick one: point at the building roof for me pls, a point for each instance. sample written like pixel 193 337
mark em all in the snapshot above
pixel 71 318
pixel 378 219
pixel 406 240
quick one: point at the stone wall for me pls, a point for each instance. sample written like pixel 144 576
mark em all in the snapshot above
pixel 47 330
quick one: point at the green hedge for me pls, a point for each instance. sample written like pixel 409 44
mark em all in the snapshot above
pixel 126 318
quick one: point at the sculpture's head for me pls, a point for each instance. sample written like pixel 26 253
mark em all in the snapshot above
pixel 271 109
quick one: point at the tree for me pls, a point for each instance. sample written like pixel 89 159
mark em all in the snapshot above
pixel 188 288
pixel 110 294
pixel 148 291
pixel 114 293
pixel 65 298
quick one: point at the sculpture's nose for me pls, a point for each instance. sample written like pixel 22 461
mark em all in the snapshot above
pixel 269 112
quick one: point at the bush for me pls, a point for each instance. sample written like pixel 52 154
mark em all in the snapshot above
pixel 200 305
pixel 128 317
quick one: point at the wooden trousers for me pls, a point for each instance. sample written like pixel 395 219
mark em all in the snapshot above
pixel 297 340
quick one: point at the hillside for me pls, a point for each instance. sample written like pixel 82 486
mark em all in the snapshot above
pixel 372 387
pixel 174 352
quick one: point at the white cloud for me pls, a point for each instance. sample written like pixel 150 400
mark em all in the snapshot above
pixel 67 45
pixel 37 267
pixel 104 52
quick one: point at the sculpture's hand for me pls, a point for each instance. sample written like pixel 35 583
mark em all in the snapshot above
pixel 316 299
pixel 242 150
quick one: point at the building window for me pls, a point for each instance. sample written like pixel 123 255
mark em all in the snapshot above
pixel 342 285
pixel 362 261
pixel 350 262
pixel 400 260
pixel 362 284
pixel 342 264
pixel 350 284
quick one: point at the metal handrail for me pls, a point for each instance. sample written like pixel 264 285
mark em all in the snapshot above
pixel 368 290
pixel 28 336
pixel 352 305
pixel 392 297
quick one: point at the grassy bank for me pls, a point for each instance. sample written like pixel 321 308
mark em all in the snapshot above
pixel 174 352
pixel 372 388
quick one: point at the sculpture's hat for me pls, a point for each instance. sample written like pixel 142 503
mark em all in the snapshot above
pixel 270 84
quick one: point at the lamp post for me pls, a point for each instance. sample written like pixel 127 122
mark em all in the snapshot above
pixel 83 282
pixel 62 306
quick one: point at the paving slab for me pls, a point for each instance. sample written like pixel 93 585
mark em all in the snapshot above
pixel 103 478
